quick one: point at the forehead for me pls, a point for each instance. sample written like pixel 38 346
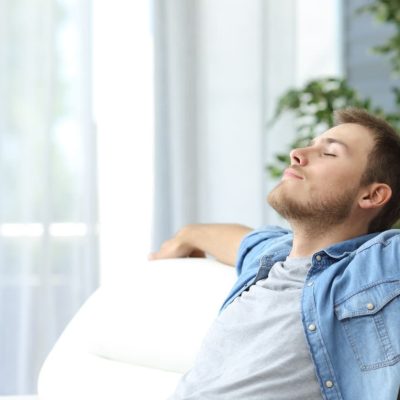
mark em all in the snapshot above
pixel 357 138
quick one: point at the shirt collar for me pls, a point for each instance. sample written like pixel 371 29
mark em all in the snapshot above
pixel 339 250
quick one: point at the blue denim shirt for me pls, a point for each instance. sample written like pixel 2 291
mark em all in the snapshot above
pixel 350 308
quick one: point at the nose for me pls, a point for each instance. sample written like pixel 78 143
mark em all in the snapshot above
pixel 298 157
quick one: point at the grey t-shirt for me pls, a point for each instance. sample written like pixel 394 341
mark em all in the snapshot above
pixel 256 348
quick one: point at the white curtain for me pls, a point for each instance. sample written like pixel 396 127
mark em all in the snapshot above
pixel 175 189
pixel 48 213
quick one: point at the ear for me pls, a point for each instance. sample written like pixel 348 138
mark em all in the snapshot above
pixel 375 195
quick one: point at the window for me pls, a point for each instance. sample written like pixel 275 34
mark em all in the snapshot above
pixel 48 211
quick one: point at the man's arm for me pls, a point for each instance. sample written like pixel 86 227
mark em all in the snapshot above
pixel 196 240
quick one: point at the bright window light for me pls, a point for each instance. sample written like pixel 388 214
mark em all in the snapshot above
pixel 68 229
pixel 21 230
pixel 123 107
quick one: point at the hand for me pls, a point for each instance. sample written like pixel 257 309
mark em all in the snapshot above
pixel 177 247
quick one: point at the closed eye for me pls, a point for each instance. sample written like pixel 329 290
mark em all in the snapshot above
pixel 330 154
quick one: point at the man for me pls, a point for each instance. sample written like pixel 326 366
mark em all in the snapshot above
pixel 315 312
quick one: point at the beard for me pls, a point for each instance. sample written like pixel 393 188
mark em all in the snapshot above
pixel 317 212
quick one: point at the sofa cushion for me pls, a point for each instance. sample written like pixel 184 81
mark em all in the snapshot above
pixel 157 316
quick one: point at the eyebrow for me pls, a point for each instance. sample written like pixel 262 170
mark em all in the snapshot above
pixel 331 140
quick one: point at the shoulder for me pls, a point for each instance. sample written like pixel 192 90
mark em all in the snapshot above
pixel 378 258
pixel 267 238
pixel 268 232
pixel 389 238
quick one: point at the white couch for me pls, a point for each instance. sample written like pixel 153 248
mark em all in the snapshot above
pixel 134 338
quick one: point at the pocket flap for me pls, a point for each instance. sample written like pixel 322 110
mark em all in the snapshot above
pixel 368 301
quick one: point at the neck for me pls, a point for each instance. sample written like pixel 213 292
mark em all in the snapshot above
pixel 307 240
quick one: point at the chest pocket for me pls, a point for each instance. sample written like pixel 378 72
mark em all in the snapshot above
pixel 371 320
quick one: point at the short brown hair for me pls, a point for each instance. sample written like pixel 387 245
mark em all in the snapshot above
pixel 383 162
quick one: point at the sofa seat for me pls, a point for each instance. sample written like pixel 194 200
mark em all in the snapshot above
pixel 136 336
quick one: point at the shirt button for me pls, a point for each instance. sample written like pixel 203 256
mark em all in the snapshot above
pixel 370 306
pixel 312 327
pixel 310 283
pixel 318 258
pixel 329 384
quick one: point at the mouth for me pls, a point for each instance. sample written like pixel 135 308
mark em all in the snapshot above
pixel 291 173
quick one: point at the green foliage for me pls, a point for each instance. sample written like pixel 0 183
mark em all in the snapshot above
pixel 314 104
pixel 387 12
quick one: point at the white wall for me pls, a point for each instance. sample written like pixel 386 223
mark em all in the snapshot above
pixel 230 111
pixel 248 54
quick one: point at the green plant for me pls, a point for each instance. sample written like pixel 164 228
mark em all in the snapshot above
pixel 387 12
pixel 313 105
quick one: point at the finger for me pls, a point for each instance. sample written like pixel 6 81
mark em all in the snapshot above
pixel 198 253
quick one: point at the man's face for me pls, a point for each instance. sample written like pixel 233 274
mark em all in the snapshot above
pixel 322 184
